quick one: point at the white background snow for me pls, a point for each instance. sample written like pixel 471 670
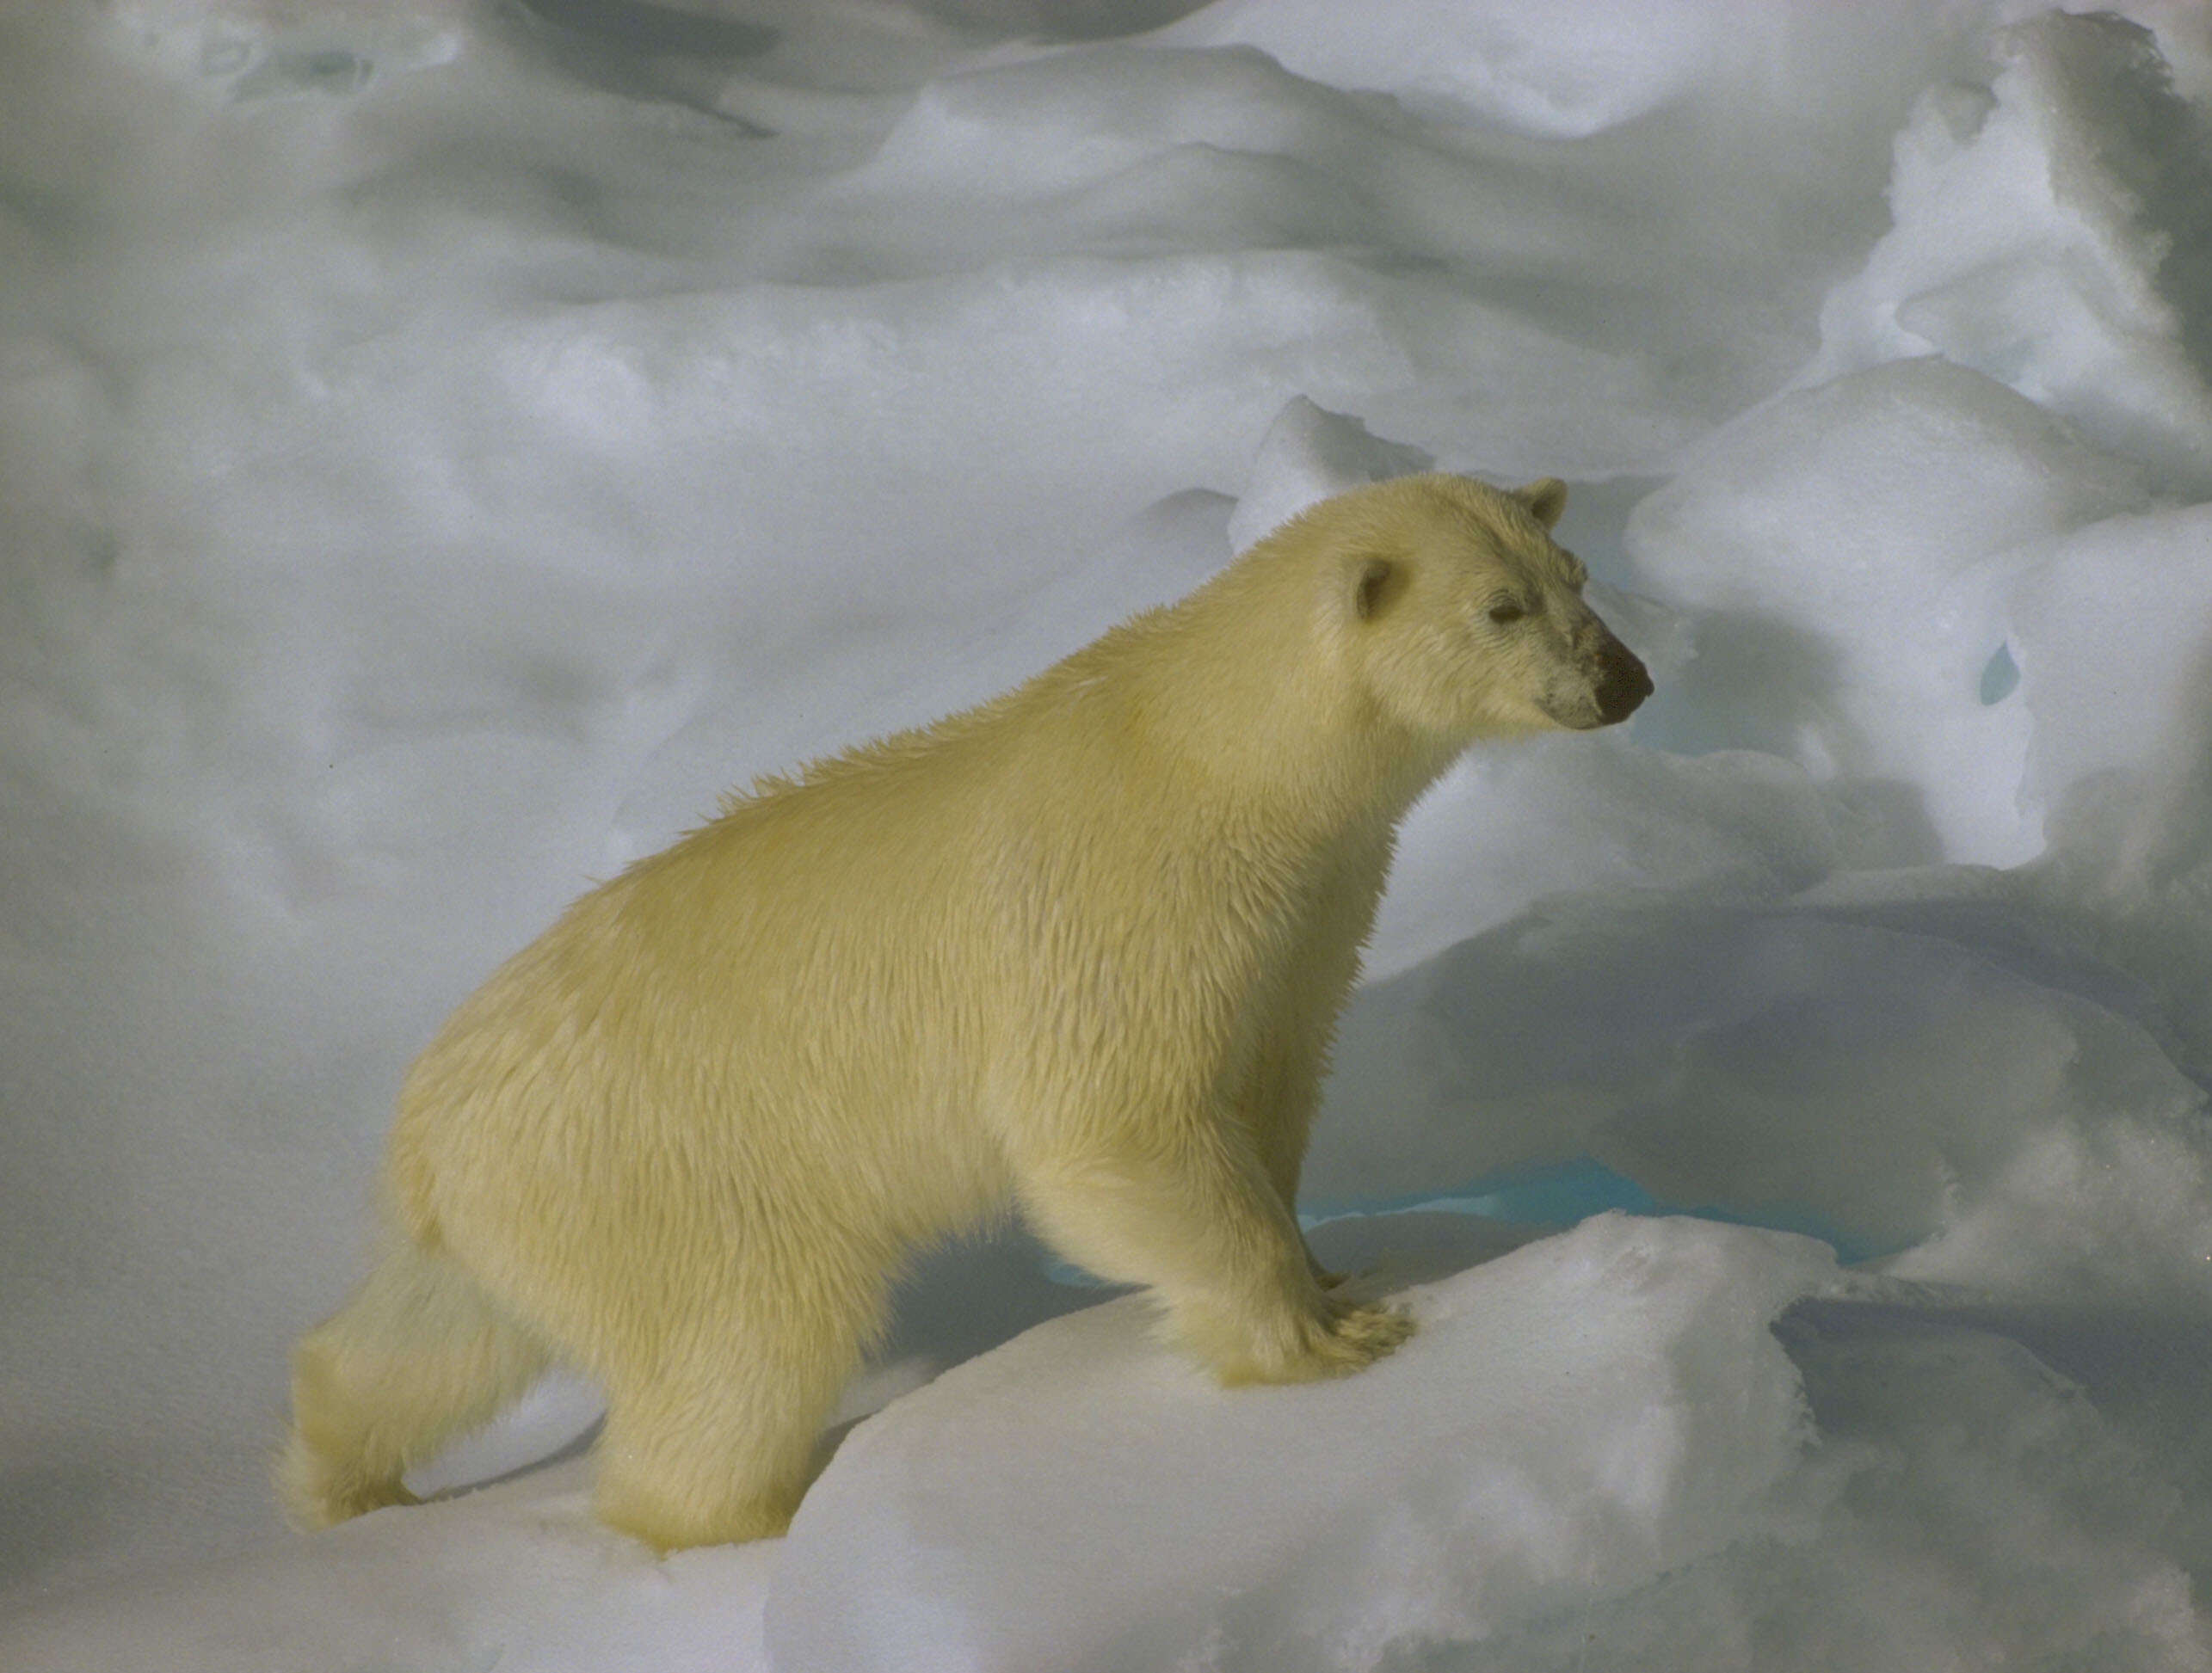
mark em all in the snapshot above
pixel 445 444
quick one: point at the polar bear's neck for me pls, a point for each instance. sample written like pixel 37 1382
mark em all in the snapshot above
pixel 1245 706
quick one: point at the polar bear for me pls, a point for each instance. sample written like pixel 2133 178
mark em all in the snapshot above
pixel 1080 951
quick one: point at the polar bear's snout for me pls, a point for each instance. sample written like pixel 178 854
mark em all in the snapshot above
pixel 1598 682
pixel 1623 681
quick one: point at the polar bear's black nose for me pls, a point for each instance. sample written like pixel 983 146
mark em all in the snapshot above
pixel 1623 685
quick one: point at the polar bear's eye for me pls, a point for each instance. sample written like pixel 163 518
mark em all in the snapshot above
pixel 1506 612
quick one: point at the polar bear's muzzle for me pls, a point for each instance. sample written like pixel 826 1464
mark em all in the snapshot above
pixel 1614 682
pixel 1623 682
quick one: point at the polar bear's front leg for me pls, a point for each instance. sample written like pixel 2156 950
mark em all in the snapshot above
pixel 1199 1220
pixel 1276 1106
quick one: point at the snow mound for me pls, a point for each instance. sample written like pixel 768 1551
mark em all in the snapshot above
pixel 1508 829
pixel 1945 1071
pixel 2054 233
pixel 2111 630
pixel 1574 1420
pixel 1307 456
pixel 1603 66
pixel 1559 74
pixel 1832 544
pixel 517 1577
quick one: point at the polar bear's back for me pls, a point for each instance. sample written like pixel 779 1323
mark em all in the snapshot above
pixel 806 949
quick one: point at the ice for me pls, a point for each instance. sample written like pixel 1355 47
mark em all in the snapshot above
pixel 516 1576
pixel 1509 828
pixel 1834 543
pixel 2050 233
pixel 1306 456
pixel 1453 1499
pixel 444 446
pixel 1601 66
pixel 2132 729
pixel 1945 1079
pixel 1596 1453
pixel 1562 75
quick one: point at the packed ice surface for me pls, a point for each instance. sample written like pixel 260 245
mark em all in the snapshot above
pixel 1595 1455
pixel 1855 636
pixel 442 449
pixel 1304 1526
pixel 516 1575
pixel 1943 1081
pixel 2050 231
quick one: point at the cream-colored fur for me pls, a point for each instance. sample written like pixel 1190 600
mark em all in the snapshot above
pixel 1080 949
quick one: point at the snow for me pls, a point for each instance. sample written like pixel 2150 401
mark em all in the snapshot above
pixel 1477 1505
pixel 2071 271
pixel 441 449
pixel 1942 1080
pixel 1835 542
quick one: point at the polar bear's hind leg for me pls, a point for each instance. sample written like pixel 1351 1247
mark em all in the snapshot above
pixel 711 1435
pixel 415 1358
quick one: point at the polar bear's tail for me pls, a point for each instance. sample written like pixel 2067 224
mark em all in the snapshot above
pixel 415 1358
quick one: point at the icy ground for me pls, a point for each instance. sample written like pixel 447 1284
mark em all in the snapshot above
pixel 443 445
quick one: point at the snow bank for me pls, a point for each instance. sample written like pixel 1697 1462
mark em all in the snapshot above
pixel 515 1577
pixel 1574 1420
pixel 1561 76
pixel 2111 629
pixel 1308 455
pixel 1940 1074
pixel 1602 66
pixel 1833 542
pixel 2051 233
pixel 1660 1443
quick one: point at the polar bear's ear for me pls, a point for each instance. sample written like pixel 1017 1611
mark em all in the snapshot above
pixel 1375 582
pixel 1545 498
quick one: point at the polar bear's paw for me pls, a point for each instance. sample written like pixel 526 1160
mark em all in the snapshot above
pixel 1333 1338
pixel 1356 1334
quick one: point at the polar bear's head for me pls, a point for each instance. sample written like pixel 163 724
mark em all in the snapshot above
pixel 1463 616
